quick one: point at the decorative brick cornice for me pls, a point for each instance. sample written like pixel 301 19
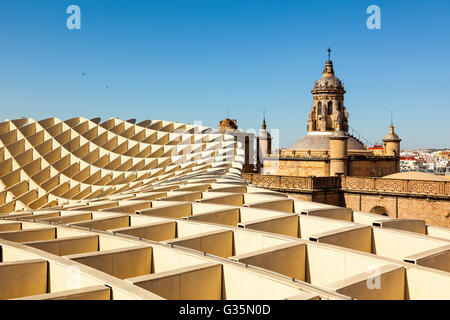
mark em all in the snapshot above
pixel 351 184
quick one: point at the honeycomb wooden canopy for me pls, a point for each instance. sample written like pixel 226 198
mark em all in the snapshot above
pixel 159 210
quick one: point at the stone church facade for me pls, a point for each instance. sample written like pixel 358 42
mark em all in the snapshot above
pixel 328 149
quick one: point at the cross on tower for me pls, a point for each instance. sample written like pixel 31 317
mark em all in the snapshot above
pixel 329 53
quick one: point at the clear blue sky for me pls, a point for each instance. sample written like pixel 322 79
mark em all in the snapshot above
pixel 191 60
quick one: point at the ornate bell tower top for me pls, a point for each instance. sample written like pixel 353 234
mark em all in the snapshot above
pixel 328 71
pixel 328 82
pixel 328 112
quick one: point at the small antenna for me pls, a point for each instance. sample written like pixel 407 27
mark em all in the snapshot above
pixel 329 53
pixel 392 119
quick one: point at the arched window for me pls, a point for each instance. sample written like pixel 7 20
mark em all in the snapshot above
pixel 379 210
pixel 330 107
pixel 339 107
pixel 319 108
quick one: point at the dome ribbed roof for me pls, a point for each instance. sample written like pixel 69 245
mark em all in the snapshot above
pixel 328 79
pixel 391 136
pixel 322 142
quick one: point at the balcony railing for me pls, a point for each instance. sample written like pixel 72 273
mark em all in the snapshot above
pixel 293 183
pixel 437 188
pixel 355 184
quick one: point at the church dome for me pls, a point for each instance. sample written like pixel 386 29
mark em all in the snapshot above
pixel 391 136
pixel 322 142
pixel 328 79
pixel 328 82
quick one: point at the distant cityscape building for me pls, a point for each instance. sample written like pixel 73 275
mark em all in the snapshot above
pixel 431 161
pixel 377 149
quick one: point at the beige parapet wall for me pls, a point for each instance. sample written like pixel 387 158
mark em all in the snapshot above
pixel 121 263
pixel 159 210
pixel 354 237
pixel 202 282
pixel 67 246
pixel 230 217
pixel 438 258
pixel 218 243
pixel 23 278
pixel 417 226
pixel 158 231
pixel 288 259
pixel 391 281
pixel 99 292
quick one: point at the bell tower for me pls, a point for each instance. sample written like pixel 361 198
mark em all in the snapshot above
pixel 328 112
pixel 263 145
pixel 392 146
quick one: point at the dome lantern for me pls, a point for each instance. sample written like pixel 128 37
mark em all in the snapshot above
pixel 328 112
